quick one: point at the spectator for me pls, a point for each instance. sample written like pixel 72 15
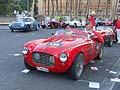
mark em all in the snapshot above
pixel 92 33
pixel 92 19
pixel 117 29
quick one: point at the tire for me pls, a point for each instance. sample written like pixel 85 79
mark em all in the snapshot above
pixel 12 30
pixel 27 28
pixel 100 54
pixel 43 26
pixel 37 28
pixel 28 66
pixel 75 25
pixel 77 67
pixel 52 26
pixel 110 43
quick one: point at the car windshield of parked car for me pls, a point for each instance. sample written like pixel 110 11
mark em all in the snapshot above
pixel 27 19
pixel 101 28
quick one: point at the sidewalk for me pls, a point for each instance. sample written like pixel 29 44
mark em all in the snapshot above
pixel 4 23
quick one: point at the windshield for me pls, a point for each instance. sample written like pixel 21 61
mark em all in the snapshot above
pixel 103 28
pixel 70 32
pixel 27 19
pixel 62 32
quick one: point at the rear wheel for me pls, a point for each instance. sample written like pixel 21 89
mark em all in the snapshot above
pixel 37 27
pixel 110 43
pixel 77 67
pixel 28 66
pixel 75 25
pixel 27 28
pixel 100 54
pixel 52 26
pixel 12 30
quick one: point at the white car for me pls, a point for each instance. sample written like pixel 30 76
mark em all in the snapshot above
pixel 75 23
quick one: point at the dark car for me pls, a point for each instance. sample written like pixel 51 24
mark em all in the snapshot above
pixel 24 24
pixel 108 34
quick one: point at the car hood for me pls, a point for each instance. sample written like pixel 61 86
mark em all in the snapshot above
pixel 58 44
pixel 17 23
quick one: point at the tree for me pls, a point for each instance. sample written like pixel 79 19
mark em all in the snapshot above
pixel 107 7
pixel 52 1
pixel 48 7
pixel 57 9
pixel 76 8
pixel 7 7
pixel 35 8
pixel 67 5
pixel 45 5
pixel 98 7
pixel 61 6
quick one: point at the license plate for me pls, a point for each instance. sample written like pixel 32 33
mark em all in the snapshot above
pixel 42 69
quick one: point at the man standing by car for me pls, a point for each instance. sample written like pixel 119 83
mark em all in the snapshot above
pixel 92 19
pixel 92 33
pixel 117 29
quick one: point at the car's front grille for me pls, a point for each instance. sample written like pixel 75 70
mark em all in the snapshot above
pixel 16 26
pixel 43 59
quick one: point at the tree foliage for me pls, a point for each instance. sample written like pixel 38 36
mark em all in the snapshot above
pixel 7 7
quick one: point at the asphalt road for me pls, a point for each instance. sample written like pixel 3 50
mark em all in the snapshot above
pixel 11 65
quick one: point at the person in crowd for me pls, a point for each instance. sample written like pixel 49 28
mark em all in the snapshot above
pixel 117 29
pixel 92 33
pixel 92 19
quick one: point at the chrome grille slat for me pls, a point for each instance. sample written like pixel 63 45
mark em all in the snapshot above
pixel 44 59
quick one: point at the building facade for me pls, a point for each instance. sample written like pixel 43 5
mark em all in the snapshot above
pixel 103 8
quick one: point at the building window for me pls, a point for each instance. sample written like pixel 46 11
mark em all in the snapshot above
pixel 118 10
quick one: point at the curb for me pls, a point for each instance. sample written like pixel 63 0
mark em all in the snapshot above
pixel 4 23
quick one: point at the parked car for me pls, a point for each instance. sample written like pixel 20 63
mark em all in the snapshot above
pixel 68 50
pixel 100 22
pixel 24 24
pixel 108 22
pixel 75 23
pixel 52 24
pixel 108 34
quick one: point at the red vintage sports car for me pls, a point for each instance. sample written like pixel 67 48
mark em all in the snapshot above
pixel 68 50
pixel 108 34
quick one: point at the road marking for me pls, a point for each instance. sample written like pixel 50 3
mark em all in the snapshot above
pixel 113 72
pixel 94 85
pixel 16 55
pixel 25 71
pixel 115 79
pixel 17 35
pixel 107 84
pixel 94 68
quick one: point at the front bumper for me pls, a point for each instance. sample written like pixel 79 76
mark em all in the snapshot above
pixel 58 66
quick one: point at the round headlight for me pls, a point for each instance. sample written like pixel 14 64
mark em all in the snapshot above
pixel 63 57
pixel 25 50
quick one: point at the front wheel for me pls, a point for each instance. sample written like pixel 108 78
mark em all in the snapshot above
pixel 12 30
pixel 37 27
pixel 77 67
pixel 110 43
pixel 28 66
pixel 100 54
pixel 75 25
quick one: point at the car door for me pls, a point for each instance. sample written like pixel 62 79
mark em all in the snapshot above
pixel 90 49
